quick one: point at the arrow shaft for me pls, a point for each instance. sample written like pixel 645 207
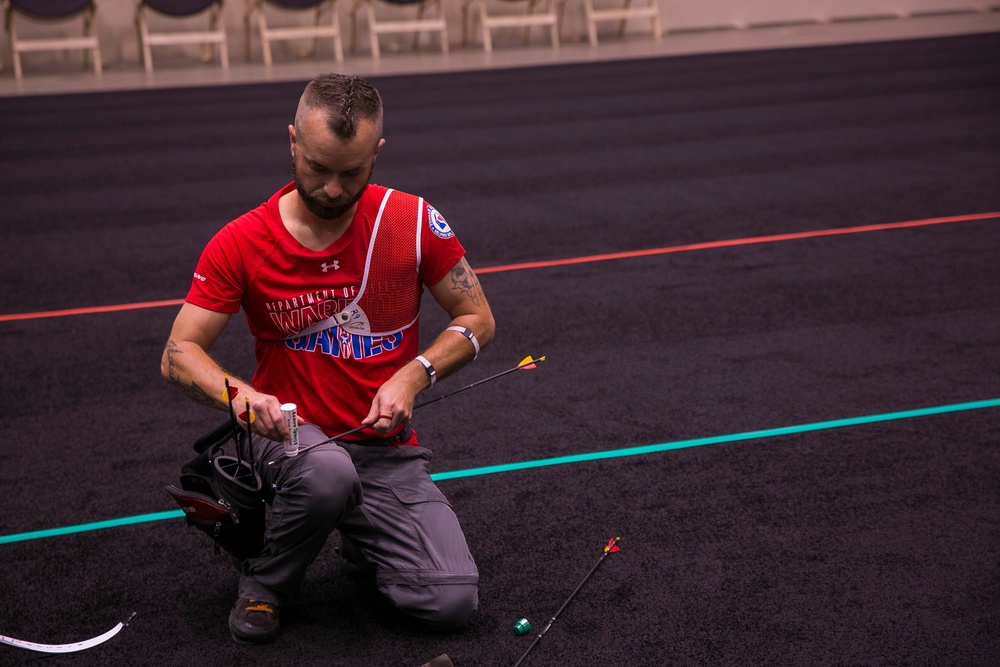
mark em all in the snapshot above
pixel 576 590
pixel 356 429
pixel 470 386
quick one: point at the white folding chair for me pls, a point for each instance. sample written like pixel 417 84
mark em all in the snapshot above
pixel 547 17
pixel 429 19
pixel 51 11
pixel 270 33
pixel 211 38
pixel 650 11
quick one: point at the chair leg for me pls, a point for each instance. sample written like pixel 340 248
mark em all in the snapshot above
pixel 560 12
pixel 141 38
pixel 444 29
pixel 527 29
pixel 223 46
pixel 372 35
pixel 554 28
pixel 588 7
pixel 311 50
pixel 15 54
pixel 338 42
pixel 487 40
pixel 353 44
pixel 465 22
pixel 265 43
pixel 657 28
pixel 224 55
pixel 416 34
pixel 147 51
pixel 88 30
pixel 246 31
pixel 621 24
pixel 208 48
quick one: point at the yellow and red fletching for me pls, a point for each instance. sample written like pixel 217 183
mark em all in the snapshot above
pixel 612 545
pixel 529 363
pixel 229 393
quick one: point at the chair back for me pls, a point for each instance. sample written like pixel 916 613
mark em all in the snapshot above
pixel 296 4
pixel 51 9
pixel 180 7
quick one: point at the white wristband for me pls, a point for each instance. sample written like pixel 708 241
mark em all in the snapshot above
pixel 431 373
pixel 468 334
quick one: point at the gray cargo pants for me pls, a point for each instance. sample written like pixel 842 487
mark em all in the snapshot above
pixel 394 521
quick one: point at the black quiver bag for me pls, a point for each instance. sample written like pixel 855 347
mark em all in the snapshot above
pixel 222 496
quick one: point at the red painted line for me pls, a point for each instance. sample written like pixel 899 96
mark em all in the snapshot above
pixel 729 243
pixel 738 242
pixel 90 311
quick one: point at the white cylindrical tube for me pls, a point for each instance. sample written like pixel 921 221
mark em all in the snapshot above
pixel 290 411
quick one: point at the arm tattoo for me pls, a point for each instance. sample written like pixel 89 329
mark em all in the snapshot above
pixel 198 394
pixel 171 368
pixel 464 280
pixel 192 391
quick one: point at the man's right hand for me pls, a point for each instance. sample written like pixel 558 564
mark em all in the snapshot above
pixel 267 419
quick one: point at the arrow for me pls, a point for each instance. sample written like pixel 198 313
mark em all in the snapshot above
pixel 611 548
pixel 527 364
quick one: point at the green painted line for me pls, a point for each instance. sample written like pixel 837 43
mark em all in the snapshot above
pixel 97 525
pixel 576 458
pixel 715 440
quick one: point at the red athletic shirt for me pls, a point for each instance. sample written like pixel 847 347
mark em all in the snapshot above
pixel 283 287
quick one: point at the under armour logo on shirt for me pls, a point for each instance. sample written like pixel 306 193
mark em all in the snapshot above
pixel 326 267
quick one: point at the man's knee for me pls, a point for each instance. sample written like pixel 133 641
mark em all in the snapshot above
pixel 441 607
pixel 327 484
pixel 456 603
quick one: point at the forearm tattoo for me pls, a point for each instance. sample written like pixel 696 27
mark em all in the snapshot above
pixel 192 390
pixel 464 280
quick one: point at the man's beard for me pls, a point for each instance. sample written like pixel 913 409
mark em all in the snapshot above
pixel 327 209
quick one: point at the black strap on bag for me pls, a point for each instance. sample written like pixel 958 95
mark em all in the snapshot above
pixel 222 495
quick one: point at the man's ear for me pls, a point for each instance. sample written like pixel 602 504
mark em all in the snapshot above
pixel 291 139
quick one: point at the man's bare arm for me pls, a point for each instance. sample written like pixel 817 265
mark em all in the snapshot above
pixel 461 296
pixel 171 365
pixel 187 365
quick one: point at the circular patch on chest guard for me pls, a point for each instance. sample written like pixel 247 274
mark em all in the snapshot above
pixel 438 224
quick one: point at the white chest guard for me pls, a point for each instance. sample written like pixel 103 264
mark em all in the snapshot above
pixel 389 298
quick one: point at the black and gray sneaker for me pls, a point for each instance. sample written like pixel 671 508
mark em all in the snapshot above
pixel 254 621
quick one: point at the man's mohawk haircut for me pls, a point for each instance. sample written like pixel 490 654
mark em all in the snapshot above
pixel 345 99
